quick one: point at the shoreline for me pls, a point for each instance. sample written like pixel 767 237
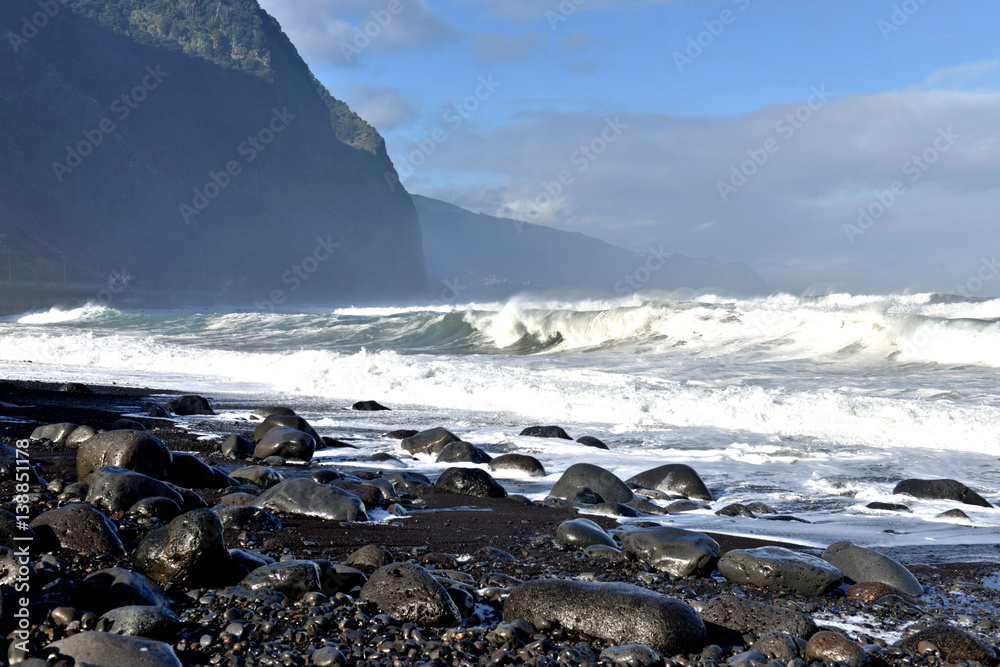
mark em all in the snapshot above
pixel 440 530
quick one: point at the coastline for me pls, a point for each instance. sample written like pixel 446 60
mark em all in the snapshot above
pixel 439 522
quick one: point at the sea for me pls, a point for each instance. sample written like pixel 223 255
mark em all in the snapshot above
pixel 816 406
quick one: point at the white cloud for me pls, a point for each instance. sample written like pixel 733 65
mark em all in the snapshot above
pixel 789 217
pixel 495 48
pixel 382 107
pixel 341 32
pixel 962 74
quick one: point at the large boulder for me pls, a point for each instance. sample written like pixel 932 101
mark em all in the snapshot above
pixel 79 435
pixel 411 594
pixel 744 616
pixel 680 552
pixel 622 613
pixel 431 441
pixel 147 621
pixel 260 476
pixel 185 406
pixel 599 480
pixel 116 489
pixel 237 447
pixel 284 421
pixel 104 648
pixel 294 578
pixel 864 565
pixel 523 463
pixel 780 569
pixel 192 473
pixel 132 450
pixel 118 587
pixel 54 433
pixel 546 432
pixel 188 551
pixel 940 489
pixel 304 496
pixel 288 443
pixel 583 533
pixel 470 482
pixel 675 479
pixel 463 452
pixel 954 644
pixel 79 528
pixel 253 519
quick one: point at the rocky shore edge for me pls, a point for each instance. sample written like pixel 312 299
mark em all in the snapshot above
pixel 131 541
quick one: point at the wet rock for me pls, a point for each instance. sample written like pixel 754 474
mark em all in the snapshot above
pixel 736 509
pixel 132 450
pixel 118 587
pixel 260 476
pixel 431 441
pixel 940 489
pixel 293 578
pixel 888 507
pixel 368 406
pixel 304 496
pixel 127 425
pixel 370 558
pixel 591 441
pixel 606 484
pixel 860 565
pixel 528 465
pixel 116 489
pixel 156 411
pixel 260 414
pixel 676 479
pixel 293 422
pixel 546 432
pixel 680 552
pixel 252 519
pixel 408 482
pixel 748 617
pixel 470 482
pixel 758 507
pixel 834 646
pixel 630 655
pixel 80 434
pixel 780 569
pixel 288 443
pixel 583 533
pixel 54 433
pixel 747 659
pixel 615 509
pixel 75 388
pixel 371 496
pixel 871 591
pixel 192 473
pixel 410 594
pixel 463 452
pixel 12 463
pixel 79 528
pixel 494 555
pixel 337 578
pixel 139 621
pixel 328 657
pixel 188 551
pixel 184 406
pixel 237 447
pixel 679 506
pixel 102 648
pixel 400 434
pixel 955 514
pixel 164 509
pixel 779 646
pixel 954 644
pixel 618 612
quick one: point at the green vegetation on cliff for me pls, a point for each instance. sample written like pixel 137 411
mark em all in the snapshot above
pixel 228 33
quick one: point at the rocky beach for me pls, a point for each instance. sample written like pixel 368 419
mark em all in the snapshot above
pixel 139 529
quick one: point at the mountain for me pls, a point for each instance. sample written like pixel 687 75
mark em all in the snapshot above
pixel 476 256
pixel 182 148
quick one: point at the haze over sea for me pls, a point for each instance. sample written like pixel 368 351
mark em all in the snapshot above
pixel 816 406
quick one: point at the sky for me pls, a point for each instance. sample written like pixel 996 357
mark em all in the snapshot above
pixel 832 145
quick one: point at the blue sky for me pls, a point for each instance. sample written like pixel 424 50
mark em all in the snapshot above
pixel 833 99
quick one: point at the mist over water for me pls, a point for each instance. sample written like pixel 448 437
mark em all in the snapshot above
pixel 816 405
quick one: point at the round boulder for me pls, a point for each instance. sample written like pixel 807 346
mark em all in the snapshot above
pixel 463 452
pixel 304 496
pixel 864 565
pixel 618 612
pixel 680 552
pixel 294 578
pixel 184 406
pixel 744 616
pixel 411 594
pixel 470 482
pixel 284 421
pixel 288 443
pixel 583 533
pixel 676 479
pixel 79 528
pixel 237 447
pixel 54 433
pixel 940 489
pixel 188 551
pixel 116 489
pixel 431 441
pixel 601 481
pixel 132 450
pixel 591 441
pixel 369 406
pixel 835 647
pixel 139 621
pixel 528 465
pixel 546 432
pixel 954 644
pixel 103 648
pixel 780 569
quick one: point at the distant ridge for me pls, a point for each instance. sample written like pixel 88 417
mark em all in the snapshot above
pixel 477 256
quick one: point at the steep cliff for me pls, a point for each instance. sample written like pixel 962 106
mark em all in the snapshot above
pixel 184 145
